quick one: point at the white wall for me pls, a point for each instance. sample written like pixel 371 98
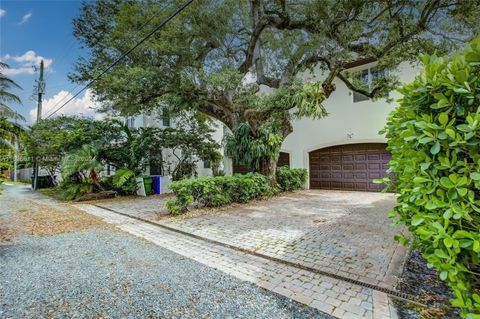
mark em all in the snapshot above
pixel 346 123
pixel 154 120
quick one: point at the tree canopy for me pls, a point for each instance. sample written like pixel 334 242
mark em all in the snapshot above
pixel 218 57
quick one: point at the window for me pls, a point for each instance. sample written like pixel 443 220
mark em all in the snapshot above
pixel 130 122
pixel 207 164
pixel 165 118
pixel 367 76
pixel 156 163
pixel 155 169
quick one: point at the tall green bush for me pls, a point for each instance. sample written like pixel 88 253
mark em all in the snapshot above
pixel 434 138
pixel 290 179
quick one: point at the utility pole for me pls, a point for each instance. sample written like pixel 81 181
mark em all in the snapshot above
pixel 15 156
pixel 40 91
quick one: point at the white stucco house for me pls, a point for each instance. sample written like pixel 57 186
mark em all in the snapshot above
pixel 345 150
pixel 341 151
pixel 157 119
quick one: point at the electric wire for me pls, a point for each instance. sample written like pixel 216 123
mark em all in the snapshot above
pixel 126 53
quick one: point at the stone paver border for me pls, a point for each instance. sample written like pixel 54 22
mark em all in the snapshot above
pixel 393 293
pixel 330 295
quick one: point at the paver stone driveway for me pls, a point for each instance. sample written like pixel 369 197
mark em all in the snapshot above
pixel 343 233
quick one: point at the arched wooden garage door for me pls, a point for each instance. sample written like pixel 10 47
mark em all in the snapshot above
pixel 349 167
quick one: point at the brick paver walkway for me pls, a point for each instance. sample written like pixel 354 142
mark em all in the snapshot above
pixel 336 297
pixel 344 233
pixel 150 207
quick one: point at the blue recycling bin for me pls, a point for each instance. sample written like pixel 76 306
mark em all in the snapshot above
pixel 156 184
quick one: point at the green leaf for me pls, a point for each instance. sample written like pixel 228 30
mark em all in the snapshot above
pixel 462 191
pixel 450 132
pixel 443 275
pixel 443 119
pixel 446 182
pixel 417 220
pixel 464 128
pixel 476 298
pixel 448 214
pixel 448 242
pixel 425 166
pixel 462 234
pixel 435 148
pixel 475 176
pixel 476 246
pixel 441 253
pixel 431 205
pixel 437 225
pixel 419 180
pixel 425 140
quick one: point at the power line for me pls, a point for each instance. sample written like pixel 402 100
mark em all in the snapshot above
pixel 133 38
pixel 153 31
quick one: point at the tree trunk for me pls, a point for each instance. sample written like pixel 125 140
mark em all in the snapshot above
pixel 15 160
pixel 51 173
pixel 268 167
pixel 272 171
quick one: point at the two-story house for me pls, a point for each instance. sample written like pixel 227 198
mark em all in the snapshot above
pixel 342 151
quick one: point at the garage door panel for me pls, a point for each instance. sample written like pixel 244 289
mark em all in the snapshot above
pixel 349 167
pixel 348 175
pixel 360 166
pixel 360 186
pixel 374 175
pixel 360 157
pixel 360 176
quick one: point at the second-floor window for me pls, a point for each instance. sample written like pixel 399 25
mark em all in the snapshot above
pixel 366 77
pixel 130 122
pixel 165 118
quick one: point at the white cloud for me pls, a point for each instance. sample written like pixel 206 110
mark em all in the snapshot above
pixel 80 106
pixel 2 12
pixel 25 62
pixel 25 18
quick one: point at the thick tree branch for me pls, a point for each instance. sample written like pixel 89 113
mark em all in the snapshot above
pixel 351 86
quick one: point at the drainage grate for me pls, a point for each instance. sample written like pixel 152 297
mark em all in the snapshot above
pixel 395 294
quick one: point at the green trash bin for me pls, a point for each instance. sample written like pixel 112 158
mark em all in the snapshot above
pixel 148 181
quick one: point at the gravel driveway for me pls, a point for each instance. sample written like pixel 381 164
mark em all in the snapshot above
pixel 105 273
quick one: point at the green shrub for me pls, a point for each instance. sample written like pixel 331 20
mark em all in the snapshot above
pixel 214 191
pixel 434 138
pixel 290 179
pixel 123 181
pixel 74 189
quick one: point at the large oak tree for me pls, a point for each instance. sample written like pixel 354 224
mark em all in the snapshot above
pixel 218 56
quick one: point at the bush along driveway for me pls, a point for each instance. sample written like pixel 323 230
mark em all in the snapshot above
pixel 57 261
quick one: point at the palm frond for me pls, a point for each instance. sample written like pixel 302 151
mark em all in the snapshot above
pixel 9 97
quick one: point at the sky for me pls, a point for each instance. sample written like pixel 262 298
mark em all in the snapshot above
pixel 34 30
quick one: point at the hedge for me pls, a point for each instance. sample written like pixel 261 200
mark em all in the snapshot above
pixel 214 191
pixel 434 138
pixel 290 179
